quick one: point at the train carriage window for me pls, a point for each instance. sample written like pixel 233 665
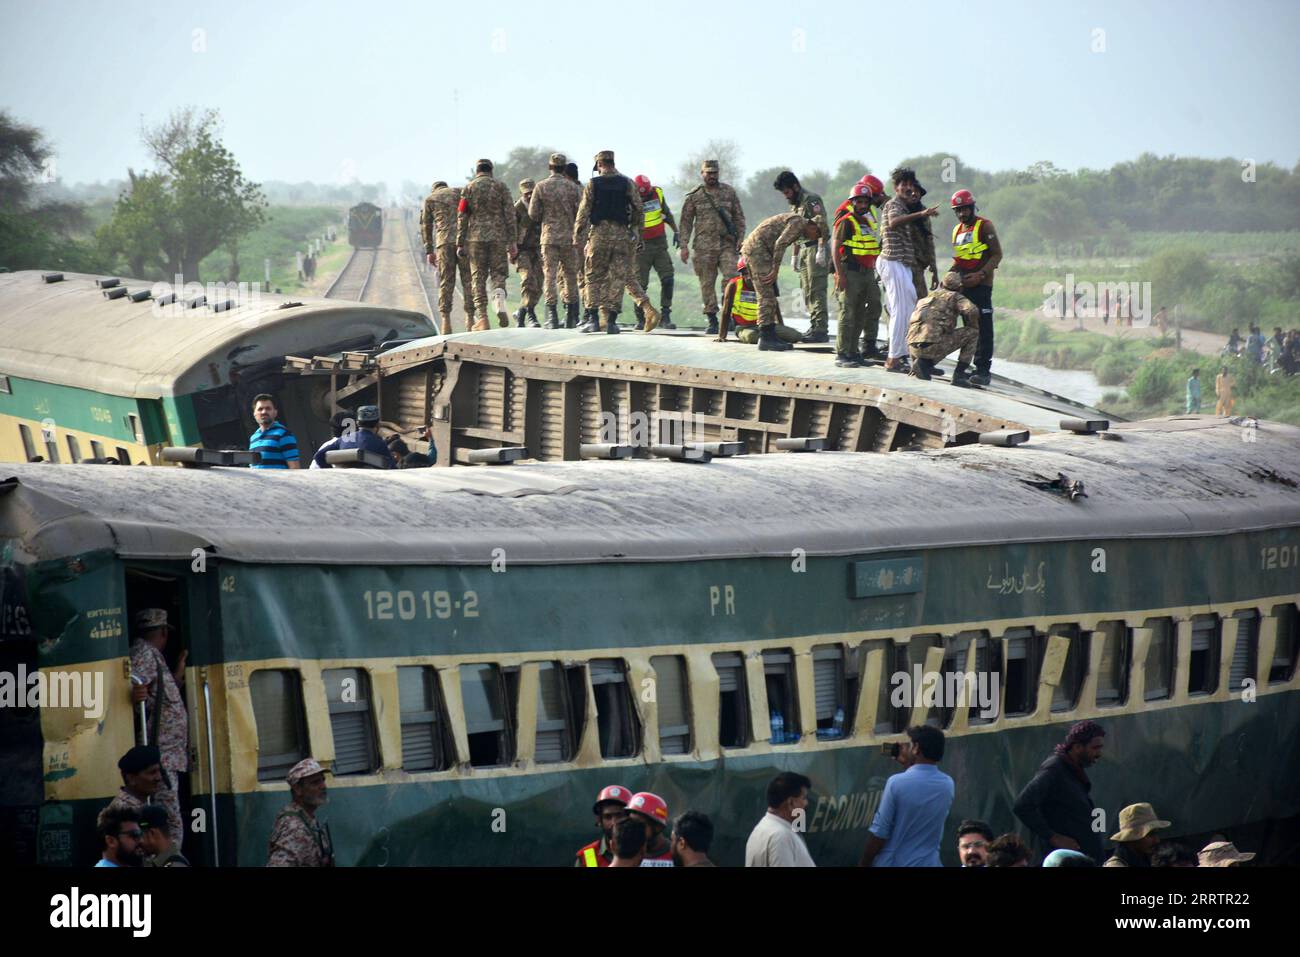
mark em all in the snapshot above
pixel 987 706
pixel 673 703
pixel 133 426
pixel 1203 667
pixel 889 719
pixel 1113 669
pixel 1024 660
pixel 482 691
pixel 424 726
pixel 123 456
pixel 347 690
pixel 1160 659
pixel 575 675
pixel 619 730
pixel 830 692
pixel 952 683
pixel 51 446
pixel 96 449
pixel 74 449
pixel 733 700
pixel 554 727
pixel 1282 668
pixel 280 720
pixel 29 447
pixel 1066 693
pixel 1245 656
pixel 782 696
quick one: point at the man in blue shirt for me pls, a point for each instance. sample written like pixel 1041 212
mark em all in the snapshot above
pixel 908 826
pixel 278 447
pixel 365 437
pixel 119 830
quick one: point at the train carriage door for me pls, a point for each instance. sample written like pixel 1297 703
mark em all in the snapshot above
pixel 22 788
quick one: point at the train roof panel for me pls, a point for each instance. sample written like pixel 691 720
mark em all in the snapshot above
pixel 68 333
pixel 1184 476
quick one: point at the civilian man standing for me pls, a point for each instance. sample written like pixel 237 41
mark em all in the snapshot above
pixel 278 447
pixel 1055 804
pixel 774 842
pixel 897 257
pixel 908 826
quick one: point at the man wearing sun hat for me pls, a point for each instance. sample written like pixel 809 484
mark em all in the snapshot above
pixel 1222 854
pixel 1135 838
pixel 298 839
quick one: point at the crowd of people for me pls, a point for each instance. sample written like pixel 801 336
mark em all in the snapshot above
pixel 1279 352
pixel 587 245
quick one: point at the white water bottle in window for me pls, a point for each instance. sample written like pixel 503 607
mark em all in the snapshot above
pixel 837 726
pixel 778 728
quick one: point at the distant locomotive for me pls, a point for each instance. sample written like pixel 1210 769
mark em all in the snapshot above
pixel 365 225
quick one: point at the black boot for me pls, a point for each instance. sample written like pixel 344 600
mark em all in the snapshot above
pixel 922 368
pixel 570 315
pixel 713 324
pixel 552 316
pixel 590 321
pixel 640 318
pixel 532 317
pixel 665 317
pixel 816 335
pixel 519 316
pixel 768 341
pixel 961 378
pixel 611 324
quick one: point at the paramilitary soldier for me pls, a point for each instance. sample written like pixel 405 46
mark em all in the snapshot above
pixel 438 230
pixel 528 262
pixel 811 258
pixel 609 228
pixel 555 206
pixel 976 253
pixel 712 212
pixel 163 694
pixel 589 312
pixel 763 250
pixel 298 839
pixel 485 232
pixel 654 251
pixel 932 332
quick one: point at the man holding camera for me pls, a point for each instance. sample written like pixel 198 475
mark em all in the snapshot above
pixel 908 826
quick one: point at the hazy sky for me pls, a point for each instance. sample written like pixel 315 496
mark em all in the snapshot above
pixel 394 89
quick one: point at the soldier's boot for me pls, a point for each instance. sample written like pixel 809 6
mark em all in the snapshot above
pixel 590 321
pixel 713 323
pixel 499 301
pixel 640 318
pixel 519 316
pixel 815 334
pixel 980 378
pixel 961 378
pixel 532 318
pixel 445 328
pixel 922 368
pixel 666 302
pixel 768 341
pixel 665 317
pixel 651 317
pixel 611 324
pixel 481 326
pixel 571 315
pixel 552 316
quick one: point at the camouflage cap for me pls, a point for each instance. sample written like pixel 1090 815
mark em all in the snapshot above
pixel 558 161
pixel 951 281
pixel 709 166
pixel 148 619
pixel 1222 854
pixel 605 156
pixel 526 184
pixel 303 769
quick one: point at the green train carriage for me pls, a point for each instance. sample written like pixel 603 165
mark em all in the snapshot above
pixel 498 630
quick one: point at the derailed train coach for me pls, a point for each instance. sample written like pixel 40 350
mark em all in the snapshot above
pixel 99 368
pixel 497 629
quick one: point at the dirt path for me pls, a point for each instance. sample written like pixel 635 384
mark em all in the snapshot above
pixel 1204 343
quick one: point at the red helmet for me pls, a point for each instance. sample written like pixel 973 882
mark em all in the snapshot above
pixel 615 793
pixel 651 805
pixel 963 197
pixel 861 189
pixel 877 187
pixel 741 264
pixel 643 183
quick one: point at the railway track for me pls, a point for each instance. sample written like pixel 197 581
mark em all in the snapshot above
pixel 354 281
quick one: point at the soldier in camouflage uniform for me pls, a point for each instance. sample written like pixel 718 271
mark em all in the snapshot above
pixel 609 227
pixel 924 245
pixel 555 206
pixel 142 779
pixel 932 332
pixel 298 839
pixel 438 230
pixel 168 721
pixel 812 257
pixel 485 232
pixel 763 250
pixel 706 211
pixel 528 263
pixel 589 312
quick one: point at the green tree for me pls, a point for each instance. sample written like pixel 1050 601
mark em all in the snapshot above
pixel 525 162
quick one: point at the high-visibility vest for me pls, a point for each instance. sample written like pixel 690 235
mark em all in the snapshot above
pixel 864 245
pixel 590 856
pixel 744 307
pixel 967 250
pixel 654 215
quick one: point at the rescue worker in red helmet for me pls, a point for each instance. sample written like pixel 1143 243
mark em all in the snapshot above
pixel 653 811
pixel 610 808
pixel 654 250
pixel 877 192
pixel 855 244
pixel 740 309
pixel 976 253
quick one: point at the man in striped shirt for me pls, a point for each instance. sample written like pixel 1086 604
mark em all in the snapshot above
pixel 276 443
pixel 898 256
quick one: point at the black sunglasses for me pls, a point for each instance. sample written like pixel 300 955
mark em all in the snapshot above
pixel 137 833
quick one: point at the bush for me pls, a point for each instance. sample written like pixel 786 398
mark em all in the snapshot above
pixel 1154 382
pixel 1114 368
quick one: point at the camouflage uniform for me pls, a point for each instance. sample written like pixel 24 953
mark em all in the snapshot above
pixel 611 245
pixel 763 250
pixel 171 733
pixel 438 230
pixel 654 253
pixel 714 251
pixel 298 840
pixel 925 253
pixel 813 279
pixel 529 263
pixel 485 227
pixel 555 205
pixel 932 332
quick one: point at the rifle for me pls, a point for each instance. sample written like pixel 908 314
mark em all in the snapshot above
pixel 723 215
